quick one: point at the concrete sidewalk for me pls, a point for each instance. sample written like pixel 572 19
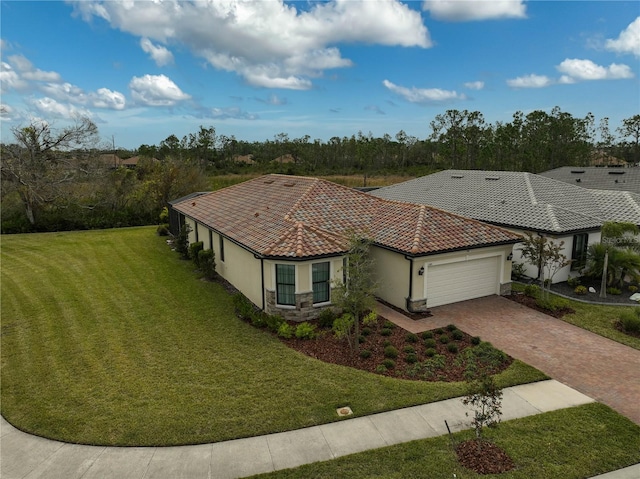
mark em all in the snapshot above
pixel 28 457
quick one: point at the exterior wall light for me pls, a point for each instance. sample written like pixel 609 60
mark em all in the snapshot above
pixel 421 271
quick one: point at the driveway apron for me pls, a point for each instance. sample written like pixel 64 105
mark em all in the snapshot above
pixel 598 367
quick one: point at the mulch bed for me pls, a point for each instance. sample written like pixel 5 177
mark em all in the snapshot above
pixel 531 303
pixel 483 457
pixel 329 349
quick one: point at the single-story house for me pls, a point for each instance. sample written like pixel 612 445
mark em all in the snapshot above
pixel 522 202
pixel 599 178
pixel 281 241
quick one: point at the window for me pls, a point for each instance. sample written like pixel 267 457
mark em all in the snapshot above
pixel 579 254
pixel 320 278
pixel 286 284
pixel 221 248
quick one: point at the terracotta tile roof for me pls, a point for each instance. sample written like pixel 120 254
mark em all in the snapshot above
pixel 291 216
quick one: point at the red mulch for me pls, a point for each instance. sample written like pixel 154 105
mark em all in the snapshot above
pixel 483 457
pixel 332 350
pixel 531 303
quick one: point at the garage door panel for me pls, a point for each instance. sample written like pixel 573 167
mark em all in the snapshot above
pixel 453 282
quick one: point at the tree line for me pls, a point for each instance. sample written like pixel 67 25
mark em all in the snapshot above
pixel 57 179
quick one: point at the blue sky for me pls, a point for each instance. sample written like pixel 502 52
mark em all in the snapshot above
pixel 145 70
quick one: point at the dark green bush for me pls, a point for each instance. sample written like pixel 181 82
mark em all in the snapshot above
pixel 390 352
pixel 475 340
pixel 274 322
pixel 409 349
pixel 366 331
pixel 385 332
pixel 412 338
pixel 573 282
pixel 162 230
pixel 326 318
pixel 427 335
pixel 411 358
pixel 438 331
pixel 630 322
pixel 389 363
pixel 633 288
pixel 430 352
pixel 362 338
pixel 258 318
pixel 386 343
pixel 243 307
pixel 207 263
pixel 444 339
pixel 194 251
pixel 181 241
pixel 457 334
pixel 613 291
pixel 451 327
pixel 381 368
pixel 430 343
pixel 389 325
pixel 452 347
pixel 305 331
pixel 365 353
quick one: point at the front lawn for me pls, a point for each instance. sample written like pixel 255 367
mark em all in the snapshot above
pixel 570 443
pixel 109 338
pixel 596 318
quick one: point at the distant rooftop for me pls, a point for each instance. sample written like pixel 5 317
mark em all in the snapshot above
pixel 517 199
pixel 600 178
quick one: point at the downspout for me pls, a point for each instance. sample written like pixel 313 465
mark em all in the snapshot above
pixel 262 279
pixel 408 304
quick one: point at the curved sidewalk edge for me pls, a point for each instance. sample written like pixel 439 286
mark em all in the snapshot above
pixel 25 456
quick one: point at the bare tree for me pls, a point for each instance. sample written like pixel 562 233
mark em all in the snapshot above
pixel 43 160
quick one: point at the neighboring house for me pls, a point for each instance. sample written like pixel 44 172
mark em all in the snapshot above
pixel 524 202
pixel 134 160
pixel 612 178
pixel 110 160
pixel 281 240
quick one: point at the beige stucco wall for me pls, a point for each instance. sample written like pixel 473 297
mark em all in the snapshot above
pixel 241 268
pixel 392 275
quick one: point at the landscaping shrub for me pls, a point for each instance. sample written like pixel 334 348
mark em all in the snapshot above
pixel 181 241
pixel 285 331
pixel 409 349
pixel 411 358
pixel 243 307
pixel 451 327
pixel 531 290
pixel 430 343
pixel 580 290
pixel 573 282
pixel 427 335
pixel 632 288
pixel 194 250
pixel 439 331
pixel 366 331
pixel 546 304
pixel 389 363
pixel 390 352
pixel 326 318
pixel 385 332
pixel 305 331
pixel 482 357
pixel 258 318
pixel 389 325
pixel 162 230
pixel 475 340
pixel 613 291
pixel 207 263
pixel 444 339
pixel 386 343
pixel 381 368
pixel 430 352
pixel 630 322
pixel 361 339
pixel 457 334
pixel 412 338
pixel 365 353
pixel 452 347
pixel 274 322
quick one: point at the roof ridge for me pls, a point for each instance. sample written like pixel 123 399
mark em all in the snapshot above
pixel 530 191
pixel 312 184
pixel 419 225
pixel 552 217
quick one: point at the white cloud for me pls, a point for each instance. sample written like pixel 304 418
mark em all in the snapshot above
pixel 6 111
pixel 28 72
pixel 575 69
pixel 159 54
pixel 9 79
pixel 530 81
pixel 156 90
pixel 105 98
pixel 470 10
pixel 270 44
pixel 423 95
pixel 53 109
pixel 474 85
pixel 102 98
pixel 628 41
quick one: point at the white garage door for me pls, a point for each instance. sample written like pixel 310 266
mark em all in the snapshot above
pixel 453 282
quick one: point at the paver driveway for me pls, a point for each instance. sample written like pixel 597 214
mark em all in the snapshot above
pixel 605 370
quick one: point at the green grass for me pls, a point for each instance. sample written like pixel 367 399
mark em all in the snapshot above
pixel 571 443
pixel 594 317
pixel 109 338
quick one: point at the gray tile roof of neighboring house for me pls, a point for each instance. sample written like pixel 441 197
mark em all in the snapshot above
pixel 517 199
pixel 299 217
pixel 600 178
